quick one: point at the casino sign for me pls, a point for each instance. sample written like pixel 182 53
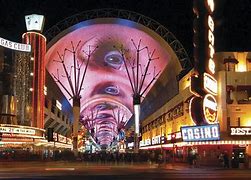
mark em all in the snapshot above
pixel 200 133
pixel 203 106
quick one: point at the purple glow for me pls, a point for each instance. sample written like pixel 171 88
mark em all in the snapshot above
pixel 106 102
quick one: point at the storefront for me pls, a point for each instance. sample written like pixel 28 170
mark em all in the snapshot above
pixel 22 142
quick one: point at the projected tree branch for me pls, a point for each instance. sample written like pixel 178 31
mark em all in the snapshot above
pixel 74 78
pixel 119 117
pixel 89 121
pixel 137 73
pixel 74 75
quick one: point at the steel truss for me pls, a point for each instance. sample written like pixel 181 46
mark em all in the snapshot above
pixel 168 36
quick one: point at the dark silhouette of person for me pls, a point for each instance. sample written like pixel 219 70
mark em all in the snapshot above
pixel 226 160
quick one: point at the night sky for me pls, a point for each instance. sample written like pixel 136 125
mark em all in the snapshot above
pixel 232 17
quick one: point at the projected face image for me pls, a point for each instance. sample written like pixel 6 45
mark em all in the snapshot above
pixel 106 89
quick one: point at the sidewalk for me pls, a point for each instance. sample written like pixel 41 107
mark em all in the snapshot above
pixel 137 165
pixel 186 166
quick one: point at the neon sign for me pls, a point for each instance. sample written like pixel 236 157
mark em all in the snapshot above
pixel 145 142
pixel 203 107
pixel 210 84
pixel 153 141
pixel 14 130
pixel 130 145
pixel 240 131
pixel 200 133
pixel 210 109
pixel 156 140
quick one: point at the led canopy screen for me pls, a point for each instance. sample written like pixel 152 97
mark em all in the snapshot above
pixel 106 97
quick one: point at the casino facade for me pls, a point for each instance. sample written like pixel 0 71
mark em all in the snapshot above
pixel 171 128
pixel 209 116
pixel 26 108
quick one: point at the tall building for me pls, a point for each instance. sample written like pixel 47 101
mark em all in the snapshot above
pixel 7 78
pixel 22 98
pixel 14 82
pixel 34 24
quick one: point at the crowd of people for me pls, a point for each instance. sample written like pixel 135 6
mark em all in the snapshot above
pixel 152 157
pixel 106 157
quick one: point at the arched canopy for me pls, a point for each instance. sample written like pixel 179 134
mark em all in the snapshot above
pixel 107 94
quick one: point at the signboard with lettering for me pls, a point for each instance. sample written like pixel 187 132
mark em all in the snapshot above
pixel 203 107
pixel 13 130
pixel 200 133
pixel 240 131
pixel 146 142
pixel 62 139
pixel 130 145
pixel 156 140
pixel 14 45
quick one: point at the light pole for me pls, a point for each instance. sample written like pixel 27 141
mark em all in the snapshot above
pixel 75 82
pixel 173 140
pixel 137 77
pixel 163 140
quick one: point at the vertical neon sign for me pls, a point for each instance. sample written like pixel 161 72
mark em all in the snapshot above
pixel 203 107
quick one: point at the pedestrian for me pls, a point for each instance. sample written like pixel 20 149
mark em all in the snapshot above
pixel 160 159
pixel 221 160
pixel 152 158
pixel 190 160
pixel 226 160
pixel 196 160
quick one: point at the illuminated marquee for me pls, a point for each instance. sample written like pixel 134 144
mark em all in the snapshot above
pixel 203 107
pixel 200 133
pixel 130 145
pixel 210 84
pixel 240 131
pixel 14 45
pixel 154 141
pixel 13 130
pixel 146 142
pixel 62 139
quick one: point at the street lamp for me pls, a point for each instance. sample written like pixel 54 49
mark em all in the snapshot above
pixel 173 140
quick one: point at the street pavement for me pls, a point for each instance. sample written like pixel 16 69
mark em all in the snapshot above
pixel 84 170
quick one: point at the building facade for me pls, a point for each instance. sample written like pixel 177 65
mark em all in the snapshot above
pixel 163 129
pixel 17 132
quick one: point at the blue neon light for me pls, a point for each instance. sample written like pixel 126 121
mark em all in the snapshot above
pixel 200 133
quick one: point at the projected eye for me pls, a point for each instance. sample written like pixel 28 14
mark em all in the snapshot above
pixel 113 90
pixel 104 106
pixel 101 106
pixel 103 115
pixel 113 59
